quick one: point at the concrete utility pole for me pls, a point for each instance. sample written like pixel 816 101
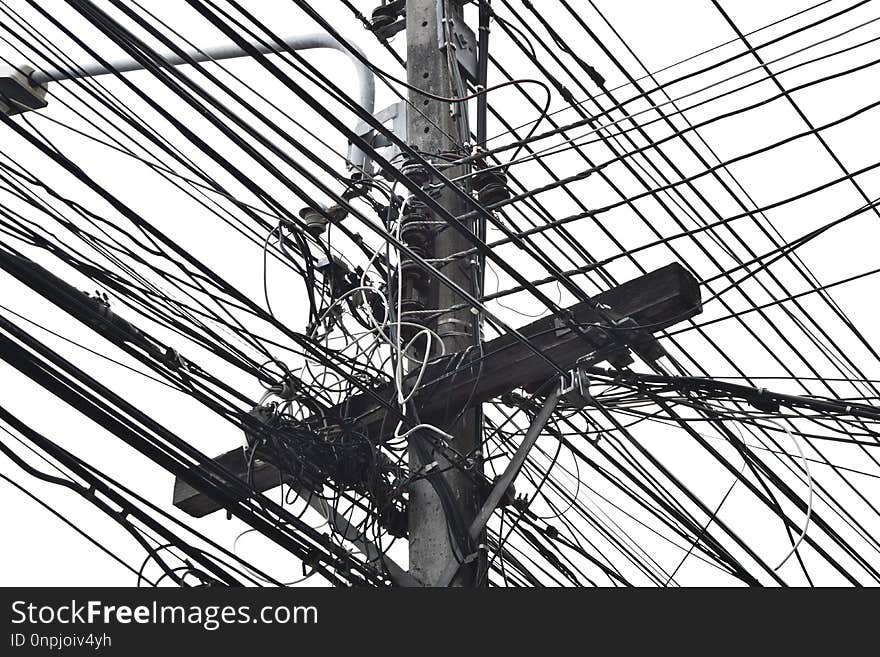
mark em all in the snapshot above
pixel 433 127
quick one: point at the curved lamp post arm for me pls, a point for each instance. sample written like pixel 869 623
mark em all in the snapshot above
pixel 26 88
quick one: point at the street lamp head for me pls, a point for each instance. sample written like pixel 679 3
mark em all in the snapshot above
pixel 17 95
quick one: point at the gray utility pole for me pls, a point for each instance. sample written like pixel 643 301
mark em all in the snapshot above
pixel 440 127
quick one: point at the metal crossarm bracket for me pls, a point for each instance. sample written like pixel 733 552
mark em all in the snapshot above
pixel 462 39
pixel 574 388
pixel 396 115
pixel 503 483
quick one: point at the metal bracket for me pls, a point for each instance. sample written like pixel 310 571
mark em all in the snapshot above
pixel 396 115
pixel 463 40
pixel 623 331
pixel 503 483
pixel 561 327
pixel 574 388
pixel 639 340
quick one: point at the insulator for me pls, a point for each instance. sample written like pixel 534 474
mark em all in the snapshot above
pixel 385 19
pixel 381 20
pixel 416 210
pixel 414 297
pixel 493 193
pixel 417 237
pixel 481 178
pixel 490 186
pixel 414 274
pixel 315 221
pixel 392 9
pixel 416 172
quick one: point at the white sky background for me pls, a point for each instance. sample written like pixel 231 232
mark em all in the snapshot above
pixel 37 549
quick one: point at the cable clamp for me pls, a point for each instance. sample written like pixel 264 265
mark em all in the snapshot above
pixel 473 556
pixel 574 388
pixel 764 402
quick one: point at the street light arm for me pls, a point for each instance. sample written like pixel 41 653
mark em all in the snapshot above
pixel 229 51
pixel 39 79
